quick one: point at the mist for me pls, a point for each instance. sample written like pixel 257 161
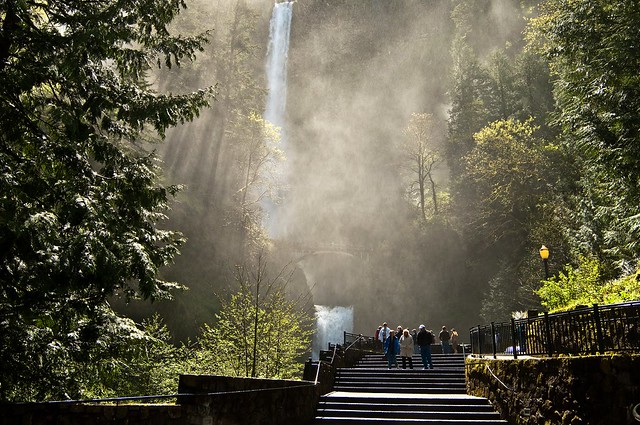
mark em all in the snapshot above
pixel 357 70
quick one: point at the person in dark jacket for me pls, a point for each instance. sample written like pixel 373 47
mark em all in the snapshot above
pixel 392 349
pixel 424 341
pixel 445 338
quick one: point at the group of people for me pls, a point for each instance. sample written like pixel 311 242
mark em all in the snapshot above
pixel 401 342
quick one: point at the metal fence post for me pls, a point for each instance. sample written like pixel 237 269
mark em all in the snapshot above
pixel 493 339
pixel 596 317
pixel 547 331
pixel 513 338
pixel 480 341
pixel 345 338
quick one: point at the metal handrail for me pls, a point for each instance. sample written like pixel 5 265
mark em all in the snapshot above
pixel 158 397
pixel 333 356
pixel 587 330
pixel 335 350
pixel 317 373
pixel 498 379
pixel 358 338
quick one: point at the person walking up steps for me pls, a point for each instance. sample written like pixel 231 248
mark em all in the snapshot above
pixel 424 340
pixel 454 341
pixel 406 349
pixel 391 349
pixel 377 343
pixel 384 333
pixel 416 347
pixel 445 336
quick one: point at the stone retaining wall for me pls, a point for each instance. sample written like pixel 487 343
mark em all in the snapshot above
pixel 216 400
pixel 93 414
pixel 595 390
pixel 251 400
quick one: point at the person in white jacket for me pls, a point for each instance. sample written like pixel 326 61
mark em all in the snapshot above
pixel 406 349
pixel 384 332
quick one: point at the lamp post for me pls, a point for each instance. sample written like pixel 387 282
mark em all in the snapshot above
pixel 544 254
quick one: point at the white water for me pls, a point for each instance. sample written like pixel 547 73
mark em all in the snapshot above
pixel 331 323
pixel 276 69
pixel 277 56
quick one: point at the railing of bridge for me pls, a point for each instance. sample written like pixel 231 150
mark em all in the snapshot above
pixel 588 330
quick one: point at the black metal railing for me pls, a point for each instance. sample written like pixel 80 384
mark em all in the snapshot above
pixel 322 371
pixel 589 330
pixel 361 342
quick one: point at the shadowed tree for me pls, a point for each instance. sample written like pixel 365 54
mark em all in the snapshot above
pixel 592 48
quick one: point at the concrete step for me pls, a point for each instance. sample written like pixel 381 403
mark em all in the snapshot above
pixel 401 373
pixel 404 390
pixel 329 420
pixel 372 375
pixel 404 399
pixel 443 406
pixel 438 361
pixel 393 408
pixel 407 414
pixel 370 393
pixel 402 382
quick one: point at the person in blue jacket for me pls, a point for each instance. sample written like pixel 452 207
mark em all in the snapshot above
pixel 392 349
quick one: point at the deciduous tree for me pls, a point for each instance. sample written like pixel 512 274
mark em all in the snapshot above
pixel 421 155
pixel 260 331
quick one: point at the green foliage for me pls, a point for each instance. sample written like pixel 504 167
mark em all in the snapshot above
pixel 591 48
pixel 107 357
pixel 507 168
pixel 626 288
pixel 81 198
pixel 584 285
pixel 574 286
pixel 258 175
pixel 259 331
pixel 147 365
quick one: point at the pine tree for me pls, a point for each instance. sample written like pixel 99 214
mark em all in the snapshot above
pixel 81 196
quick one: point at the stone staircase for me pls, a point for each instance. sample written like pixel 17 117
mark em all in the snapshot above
pixel 369 393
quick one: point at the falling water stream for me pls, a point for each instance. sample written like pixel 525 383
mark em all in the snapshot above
pixel 277 53
pixel 276 70
pixel 331 322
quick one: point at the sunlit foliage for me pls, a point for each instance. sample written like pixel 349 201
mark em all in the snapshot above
pixel 258 175
pixel 507 167
pixel 584 285
pixel 80 193
pixel 260 331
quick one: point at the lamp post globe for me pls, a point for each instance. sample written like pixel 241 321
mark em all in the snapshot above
pixel 544 254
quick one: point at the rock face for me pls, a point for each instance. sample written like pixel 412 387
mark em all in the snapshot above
pixel 560 390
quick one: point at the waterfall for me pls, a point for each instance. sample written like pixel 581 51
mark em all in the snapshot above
pixel 276 69
pixel 277 53
pixel 331 322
